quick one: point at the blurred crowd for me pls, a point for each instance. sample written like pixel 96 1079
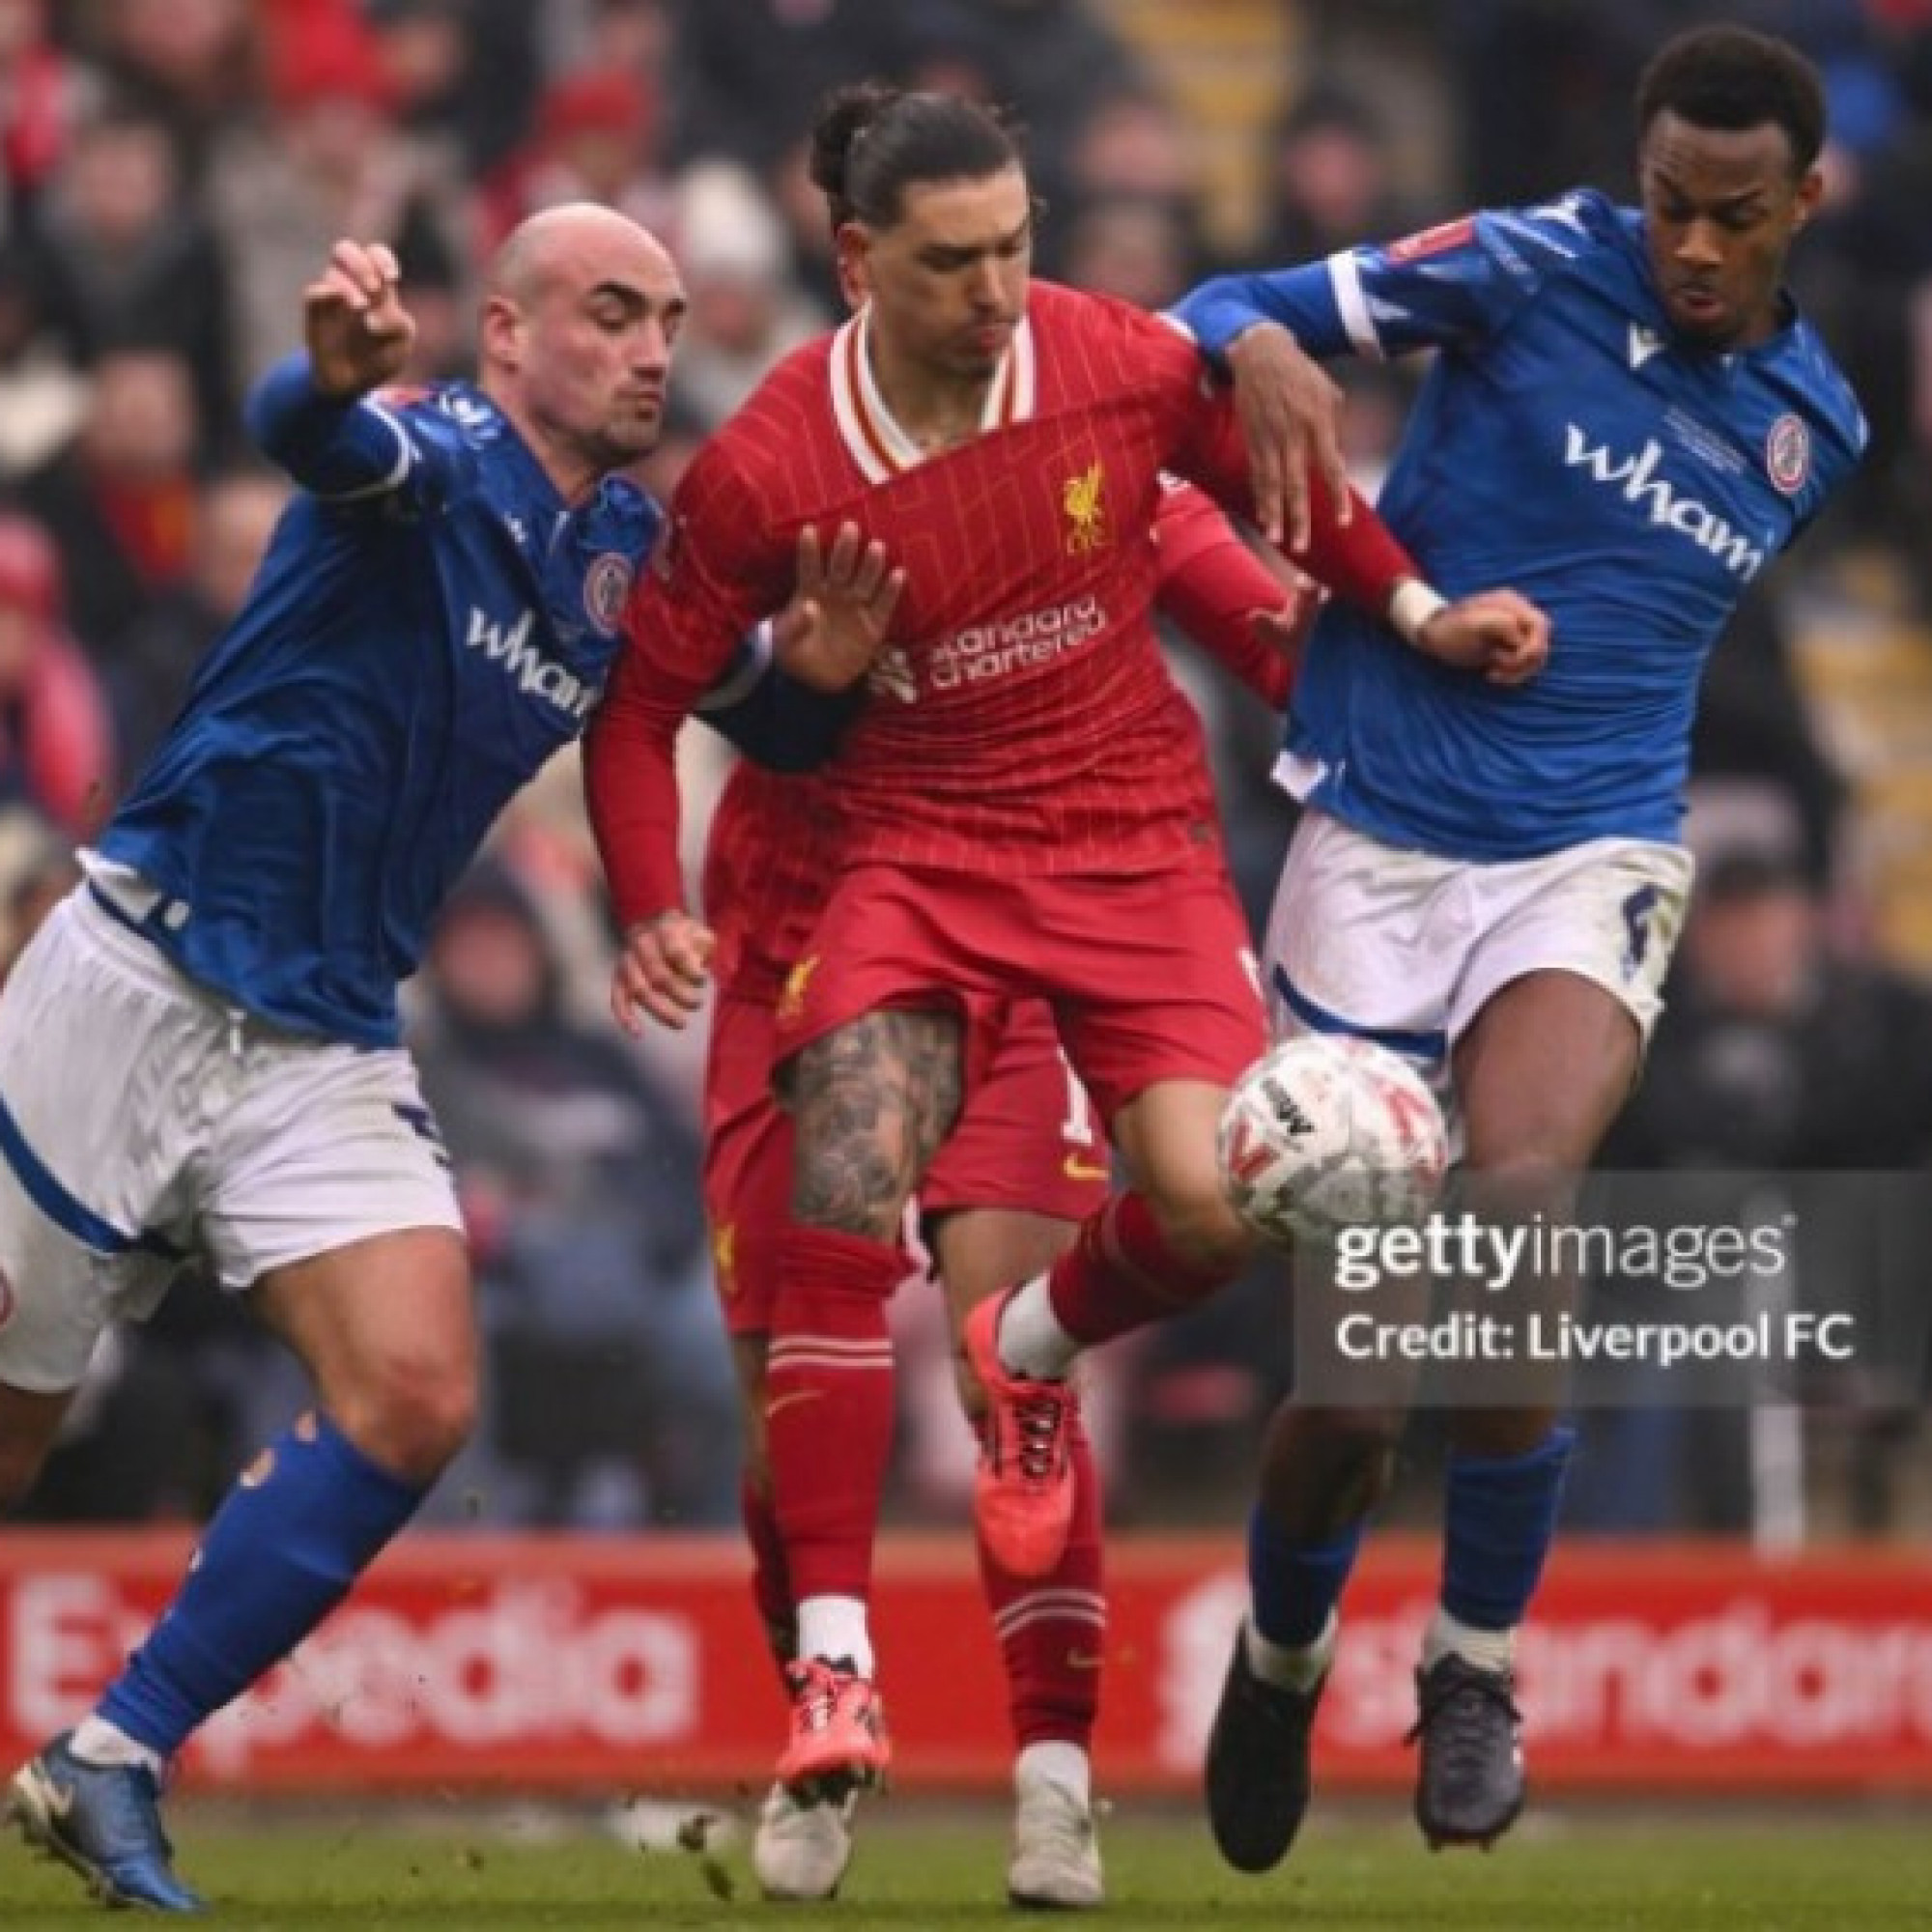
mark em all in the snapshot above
pixel 175 169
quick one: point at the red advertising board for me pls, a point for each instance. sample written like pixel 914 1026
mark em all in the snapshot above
pixel 614 1665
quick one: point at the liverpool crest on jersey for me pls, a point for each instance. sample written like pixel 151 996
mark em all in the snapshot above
pixel 798 983
pixel 1081 498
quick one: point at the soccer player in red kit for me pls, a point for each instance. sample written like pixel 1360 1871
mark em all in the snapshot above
pixel 1002 1198
pixel 1025 810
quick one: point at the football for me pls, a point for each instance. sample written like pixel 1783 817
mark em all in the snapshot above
pixel 1327 1131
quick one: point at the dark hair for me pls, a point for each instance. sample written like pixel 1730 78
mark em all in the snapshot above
pixel 871 141
pixel 1731 77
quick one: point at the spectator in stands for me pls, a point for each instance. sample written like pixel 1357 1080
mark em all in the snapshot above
pixel 1874 285
pixel 155 658
pixel 39 93
pixel 465 73
pixel 596 138
pixel 1777 1064
pixel 43 392
pixel 746 311
pixel 1330 179
pixel 189 62
pixel 1053 63
pixel 1542 91
pixel 133 263
pixel 1754 725
pixel 745 75
pixel 1133 152
pixel 1777 1051
pixel 609 36
pixel 119 500
pixel 333 160
pixel 1132 246
pixel 56 743
pixel 611 1389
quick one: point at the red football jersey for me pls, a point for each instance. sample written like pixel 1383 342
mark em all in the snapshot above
pixel 770 861
pixel 770 858
pixel 1021 719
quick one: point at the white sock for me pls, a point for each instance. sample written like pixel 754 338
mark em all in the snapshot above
pixel 1031 1343
pixel 835 1629
pixel 1293 1667
pixel 1487 1650
pixel 97 1742
pixel 1055 1761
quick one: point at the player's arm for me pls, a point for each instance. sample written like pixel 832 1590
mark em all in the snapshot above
pixel 833 626
pixel 1452 284
pixel 1448 285
pixel 769 717
pixel 630 781
pixel 685 618
pixel 309 413
pixel 1497 632
pixel 1248 612
pixel 702 593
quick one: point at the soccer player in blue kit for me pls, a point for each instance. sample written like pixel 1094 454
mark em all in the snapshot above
pixel 202 1047
pixel 1625 421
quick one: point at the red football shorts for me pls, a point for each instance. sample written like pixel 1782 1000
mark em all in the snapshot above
pixel 1151 978
pixel 1027 1138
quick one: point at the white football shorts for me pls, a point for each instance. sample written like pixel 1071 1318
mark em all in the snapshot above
pixel 143 1118
pixel 1407 948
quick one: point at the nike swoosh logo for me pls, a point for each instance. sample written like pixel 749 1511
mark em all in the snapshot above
pixel 1077 1169
pixel 790 1400
pixel 1083 1659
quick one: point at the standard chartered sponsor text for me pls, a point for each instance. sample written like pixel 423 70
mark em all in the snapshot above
pixel 993 650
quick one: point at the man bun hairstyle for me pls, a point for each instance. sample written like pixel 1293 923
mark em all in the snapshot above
pixel 871 141
pixel 1731 77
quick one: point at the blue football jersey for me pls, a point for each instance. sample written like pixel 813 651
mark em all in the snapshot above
pixel 430 623
pixel 1567 446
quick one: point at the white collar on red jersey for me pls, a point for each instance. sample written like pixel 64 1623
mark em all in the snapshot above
pixel 879 446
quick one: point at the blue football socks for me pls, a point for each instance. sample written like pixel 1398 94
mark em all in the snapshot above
pixel 1499 1519
pixel 283 1550
pixel 1295 1587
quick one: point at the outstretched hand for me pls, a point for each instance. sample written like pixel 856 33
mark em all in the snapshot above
pixel 1498 632
pixel 840 609
pixel 358 333
pixel 1290 413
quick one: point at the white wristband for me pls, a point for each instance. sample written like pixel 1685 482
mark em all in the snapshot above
pixel 1412 605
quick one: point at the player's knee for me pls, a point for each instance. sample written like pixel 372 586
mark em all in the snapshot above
pixel 410 1413
pixel 848 1188
pixel 865 1205
pixel 1355 1452
pixel 1520 1181
pixel 1362 1436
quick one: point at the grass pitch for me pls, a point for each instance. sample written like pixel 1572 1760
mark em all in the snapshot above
pixel 1562 1872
